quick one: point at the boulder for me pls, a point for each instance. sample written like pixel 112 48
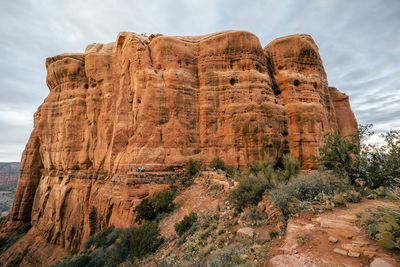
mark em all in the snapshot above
pixel 246 232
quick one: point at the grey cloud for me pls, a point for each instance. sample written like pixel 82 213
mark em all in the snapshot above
pixel 358 41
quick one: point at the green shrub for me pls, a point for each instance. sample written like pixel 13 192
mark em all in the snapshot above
pixel 98 257
pixel 78 260
pixel 231 170
pixel 380 165
pixel 353 159
pixel 100 239
pixel 193 167
pixel 163 201
pixel 185 224
pixel 382 224
pixel 114 251
pixel 155 205
pixel 145 210
pixel 265 170
pixel 339 199
pixel 248 192
pixel 88 244
pixel 217 163
pixel 290 167
pixel 289 196
pixel 340 155
pixel 353 196
pixel 145 240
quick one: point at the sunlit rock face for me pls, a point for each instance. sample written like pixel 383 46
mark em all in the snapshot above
pixel 156 102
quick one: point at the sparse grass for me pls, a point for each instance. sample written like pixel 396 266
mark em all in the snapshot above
pixel 303 238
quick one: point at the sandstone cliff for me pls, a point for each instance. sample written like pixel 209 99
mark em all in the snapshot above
pixel 156 102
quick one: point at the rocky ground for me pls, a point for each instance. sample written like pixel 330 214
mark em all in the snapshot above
pixel 332 238
pixel 257 236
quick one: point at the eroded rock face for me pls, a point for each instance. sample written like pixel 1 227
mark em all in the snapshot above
pixel 156 102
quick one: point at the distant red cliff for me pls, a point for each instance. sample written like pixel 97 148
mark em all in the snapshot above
pixel 9 172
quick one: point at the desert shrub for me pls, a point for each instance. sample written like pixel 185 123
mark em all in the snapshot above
pixel 382 224
pixel 340 154
pixel 98 257
pixel 187 180
pixel 155 205
pixel 264 167
pixel 119 251
pixel 353 196
pixel 304 188
pixel 100 239
pixel 261 176
pixel 112 236
pixel 254 215
pixel 217 163
pixel 185 224
pixel 145 210
pixel 339 199
pixel 163 201
pixel 145 240
pixel 114 251
pixel 77 260
pixel 352 158
pixel 290 167
pixel 380 165
pixel 265 170
pixel 88 243
pixel 193 167
pixel 248 192
pixel 231 170
pixel 228 256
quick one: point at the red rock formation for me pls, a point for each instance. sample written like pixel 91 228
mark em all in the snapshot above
pixel 156 102
pixel 298 73
pixel 9 172
pixel 345 118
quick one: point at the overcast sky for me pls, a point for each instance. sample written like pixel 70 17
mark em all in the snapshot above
pixel 359 43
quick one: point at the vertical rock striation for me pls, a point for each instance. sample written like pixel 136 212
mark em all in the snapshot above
pixel 156 102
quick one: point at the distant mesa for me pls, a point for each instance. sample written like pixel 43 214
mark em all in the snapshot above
pixel 9 172
pixel 156 102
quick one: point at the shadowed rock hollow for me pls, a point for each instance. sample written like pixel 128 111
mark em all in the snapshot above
pixel 156 102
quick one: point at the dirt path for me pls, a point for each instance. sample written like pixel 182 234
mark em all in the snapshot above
pixel 308 242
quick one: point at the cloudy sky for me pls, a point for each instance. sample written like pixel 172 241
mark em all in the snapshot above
pixel 359 42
